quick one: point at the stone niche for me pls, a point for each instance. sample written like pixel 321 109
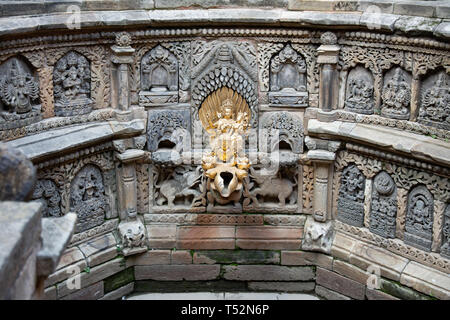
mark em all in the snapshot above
pixel 72 85
pixel 88 199
pixel 383 208
pixel 435 101
pixel 419 218
pixel 288 79
pixel 445 248
pixel 396 94
pixel 350 208
pixel 168 135
pixel 177 189
pixel 159 78
pixel 19 94
pixel 359 91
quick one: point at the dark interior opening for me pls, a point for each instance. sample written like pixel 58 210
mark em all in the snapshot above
pixel 166 144
pixel 227 177
pixel 283 145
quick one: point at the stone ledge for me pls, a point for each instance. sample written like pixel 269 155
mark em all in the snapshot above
pixel 56 142
pixel 222 16
pixel 418 146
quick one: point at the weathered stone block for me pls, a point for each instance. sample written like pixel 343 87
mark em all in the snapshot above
pixel 402 292
pixel 268 273
pixel 301 258
pixel 177 272
pixel 372 294
pixel 118 280
pixel 340 284
pixel 268 244
pixel 205 232
pixel 329 295
pixel 93 292
pixel 269 237
pixel 149 258
pixel 350 271
pixel 69 257
pixel 180 257
pixel 236 256
pixel 162 236
pixel 97 244
pixel 119 293
pixel 50 293
pixel 282 286
pixel 342 246
pixel 102 256
pixel 65 273
pixel 227 244
pixel 427 280
pixel 414 8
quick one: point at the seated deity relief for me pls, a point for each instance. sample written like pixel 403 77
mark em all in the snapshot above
pixel 19 93
pixel 225 115
pixel 435 101
pixel 72 85
pixel 288 79
pixel 159 78
pixel 396 94
pixel 359 91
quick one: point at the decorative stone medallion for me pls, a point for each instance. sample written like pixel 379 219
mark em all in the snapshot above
pixel 383 212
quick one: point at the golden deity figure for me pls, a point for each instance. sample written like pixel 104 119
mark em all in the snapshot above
pixel 225 116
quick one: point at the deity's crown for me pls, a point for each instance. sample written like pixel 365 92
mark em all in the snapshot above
pixel 72 59
pixel 227 103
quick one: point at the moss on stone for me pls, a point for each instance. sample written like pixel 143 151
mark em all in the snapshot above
pixel 119 279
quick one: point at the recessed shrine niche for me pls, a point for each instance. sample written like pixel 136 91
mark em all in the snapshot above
pixel 72 85
pixel 445 248
pixel 435 101
pixel 168 135
pixel 159 78
pixel 19 93
pixel 383 208
pixel 288 79
pixel 46 191
pixel 419 218
pixel 396 94
pixel 350 207
pixel 359 91
pixel 88 199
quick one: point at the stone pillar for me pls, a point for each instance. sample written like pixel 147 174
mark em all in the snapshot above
pixel 328 57
pixel 121 59
pixel 319 229
pixel 131 228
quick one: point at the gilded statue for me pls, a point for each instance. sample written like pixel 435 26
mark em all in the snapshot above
pixel 225 116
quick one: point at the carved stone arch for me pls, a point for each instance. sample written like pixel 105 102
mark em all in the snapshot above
pixel 383 207
pixel 434 99
pixel 287 57
pixel 87 197
pixel 72 84
pixel 359 90
pixel 419 218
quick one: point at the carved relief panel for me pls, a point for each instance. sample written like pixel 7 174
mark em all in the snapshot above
pixel 46 191
pixel 159 77
pixel 87 198
pixel 359 91
pixel 350 207
pixel 445 249
pixel 435 101
pixel 419 218
pixel 383 213
pixel 396 94
pixel 19 93
pixel 168 134
pixel 177 189
pixel 288 79
pixel 72 85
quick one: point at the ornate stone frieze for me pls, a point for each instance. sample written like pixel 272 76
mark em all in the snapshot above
pixel 159 77
pixel 87 198
pixel 445 249
pixel 179 189
pixel 419 218
pixel 308 188
pixel 359 91
pixel 47 192
pixel 72 85
pixel 19 95
pixel 85 236
pixel 288 79
pixel 281 130
pixel 435 101
pixel 383 212
pixel 396 94
pixel 350 207
pixel 265 191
